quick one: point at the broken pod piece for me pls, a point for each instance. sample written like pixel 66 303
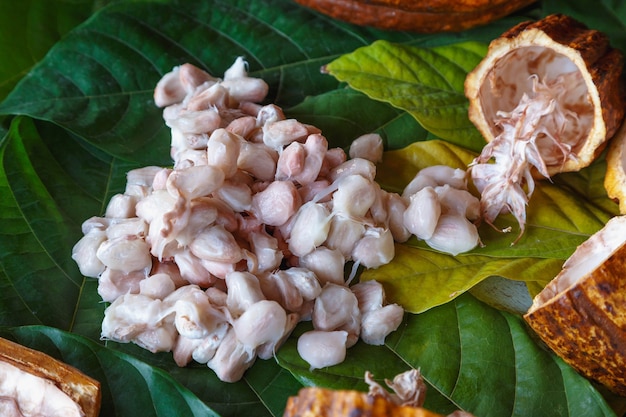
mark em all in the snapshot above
pixel 615 176
pixel 547 97
pixel 425 16
pixel 35 384
pixel 581 313
pixel 405 400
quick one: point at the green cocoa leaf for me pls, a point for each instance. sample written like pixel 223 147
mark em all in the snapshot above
pixel 99 79
pixel 66 182
pixel 420 279
pixel 25 46
pixel 559 218
pixel 95 87
pixel 425 82
pixel 35 233
pixel 350 374
pixel 400 166
pixel 492 366
pixel 345 114
pixel 504 294
pixel 589 183
pixel 154 391
pixel 263 390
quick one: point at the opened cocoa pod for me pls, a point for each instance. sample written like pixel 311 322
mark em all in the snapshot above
pixel 42 385
pixel 581 313
pixel 580 68
pixel 430 16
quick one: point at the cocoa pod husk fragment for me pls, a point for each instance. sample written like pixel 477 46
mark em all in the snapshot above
pixel 581 313
pixel 323 402
pixel 82 389
pixel 430 16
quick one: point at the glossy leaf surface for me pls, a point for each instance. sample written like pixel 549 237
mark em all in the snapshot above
pixel 83 116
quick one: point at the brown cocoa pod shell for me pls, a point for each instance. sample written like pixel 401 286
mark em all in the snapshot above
pixel 581 313
pixel 502 77
pixel 615 176
pixel 431 16
pixel 323 402
pixel 82 389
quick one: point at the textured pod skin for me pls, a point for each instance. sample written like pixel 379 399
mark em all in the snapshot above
pixel 589 50
pixel 615 177
pixel 586 325
pixel 322 402
pixel 82 389
pixel 429 16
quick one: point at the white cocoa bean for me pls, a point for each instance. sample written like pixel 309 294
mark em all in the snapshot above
pixel 258 160
pixel 434 176
pixel 269 114
pixel 454 234
pixel 192 269
pixel 370 294
pixel 244 290
pixel 208 96
pixel 95 223
pixel 126 254
pixel 354 196
pixel 265 247
pixel 262 322
pixel 337 308
pixel 127 227
pixel 121 206
pixel 310 228
pixel 356 166
pixel 194 122
pixel 375 248
pixel 423 212
pixel 290 161
pixel 207 347
pixel 195 181
pixel 327 264
pixel 112 284
pixel 223 151
pixel 194 316
pixel 231 359
pixel 155 205
pixel 458 201
pixel 276 204
pixel 84 253
pixel 192 77
pixel 237 195
pixel 281 133
pixel 139 319
pixel 217 244
pixel 343 234
pixel 376 325
pixel 396 206
pixel 368 146
pixel 157 286
pixel 169 89
pixel 246 89
pixel 321 348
